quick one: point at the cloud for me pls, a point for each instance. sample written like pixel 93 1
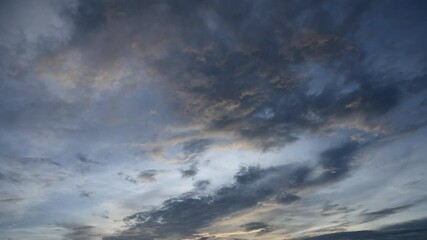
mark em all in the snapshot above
pixel 11 200
pixel 202 185
pixel 415 229
pixel 84 164
pixel 79 232
pixel 190 172
pixel 86 194
pixel 21 171
pixel 372 216
pixel 336 162
pixel 287 198
pixel 149 176
pixel 258 226
pixel 84 159
pixel 185 214
pixel 130 82
pixel 237 88
pixel 235 85
pixel 192 149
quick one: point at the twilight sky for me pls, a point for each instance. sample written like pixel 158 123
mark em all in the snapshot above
pixel 213 120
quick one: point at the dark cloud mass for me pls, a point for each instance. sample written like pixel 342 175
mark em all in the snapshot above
pixel 149 175
pixel 297 119
pixel 191 171
pixel 371 216
pixel 183 215
pixel 257 226
pixel 409 230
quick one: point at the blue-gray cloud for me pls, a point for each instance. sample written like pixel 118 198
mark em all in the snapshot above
pixel 416 229
pixel 183 215
pixel 92 92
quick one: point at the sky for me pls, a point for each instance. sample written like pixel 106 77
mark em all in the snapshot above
pixel 213 120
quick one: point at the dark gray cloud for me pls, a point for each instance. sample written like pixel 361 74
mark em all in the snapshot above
pixel 11 200
pixel 85 164
pixel 254 226
pixel 416 229
pixel 238 64
pixel 78 232
pixel 149 176
pixel 10 177
pixel 261 227
pixel 337 161
pixel 183 215
pixel 190 171
pixel 252 105
pixel 194 148
pixel 19 171
pixel 228 79
pixel 86 194
pixel 372 216
pixel 202 185
pixel 131 81
pixel 146 176
pixel 128 178
pixel 84 159
pixel 286 198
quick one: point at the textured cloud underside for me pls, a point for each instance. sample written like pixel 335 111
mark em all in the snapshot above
pixel 213 119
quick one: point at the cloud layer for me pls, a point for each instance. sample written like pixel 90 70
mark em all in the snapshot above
pixel 212 119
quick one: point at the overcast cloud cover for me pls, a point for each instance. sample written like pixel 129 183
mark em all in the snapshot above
pixel 149 120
